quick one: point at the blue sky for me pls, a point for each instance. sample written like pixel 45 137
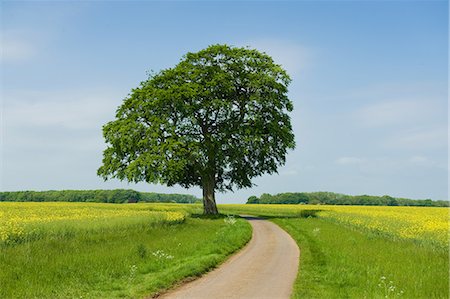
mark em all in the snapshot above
pixel 369 87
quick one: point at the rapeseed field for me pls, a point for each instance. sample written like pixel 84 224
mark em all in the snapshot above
pixel 96 250
pixel 18 220
pixel 428 225
pixel 364 251
pixel 68 250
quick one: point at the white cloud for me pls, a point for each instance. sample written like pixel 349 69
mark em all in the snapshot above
pixel 350 161
pixel 18 46
pixel 291 172
pixel 389 165
pixel 391 89
pixel 16 50
pixel 397 112
pixel 293 57
pixel 432 138
pixel 56 122
pixel 368 167
pixel 424 161
pixel 68 109
pixel 419 160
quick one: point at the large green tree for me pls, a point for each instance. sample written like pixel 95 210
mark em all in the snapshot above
pixel 215 120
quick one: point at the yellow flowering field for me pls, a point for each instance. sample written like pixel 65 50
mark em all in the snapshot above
pixel 106 250
pixel 19 219
pixel 425 224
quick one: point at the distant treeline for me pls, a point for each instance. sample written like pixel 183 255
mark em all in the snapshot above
pixel 109 196
pixel 330 198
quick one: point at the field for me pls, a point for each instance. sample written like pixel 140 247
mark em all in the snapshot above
pixel 426 225
pixel 82 250
pixel 94 250
pixel 365 252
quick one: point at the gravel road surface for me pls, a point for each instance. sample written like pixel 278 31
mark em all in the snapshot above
pixel 265 268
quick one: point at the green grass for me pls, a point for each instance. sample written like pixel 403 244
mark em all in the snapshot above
pixel 341 261
pixel 337 262
pixel 130 251
pixel 128 259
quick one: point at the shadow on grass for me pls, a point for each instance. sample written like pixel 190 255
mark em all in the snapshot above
pixel 309 213
pixel 302 214
pixel 203 216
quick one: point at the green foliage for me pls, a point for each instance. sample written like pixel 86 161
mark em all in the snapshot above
pixel 161 197
pixel 330 198
pixel 106 196
pixel 218 119
pixel 253 199
pixel 309 213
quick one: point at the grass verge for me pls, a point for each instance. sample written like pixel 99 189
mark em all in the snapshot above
pixel 337 262
pixel 129 261
pixel 341 260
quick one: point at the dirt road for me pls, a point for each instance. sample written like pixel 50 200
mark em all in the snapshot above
pixel 265 268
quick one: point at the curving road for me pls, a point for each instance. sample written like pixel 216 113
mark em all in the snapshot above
pixel 265 268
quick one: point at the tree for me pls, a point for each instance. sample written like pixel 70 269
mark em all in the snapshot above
pixel 252 199
pixel 215 120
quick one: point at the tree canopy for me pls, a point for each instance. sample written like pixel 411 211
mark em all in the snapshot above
pixel 330 198
pixel 109 196
pixel 215 120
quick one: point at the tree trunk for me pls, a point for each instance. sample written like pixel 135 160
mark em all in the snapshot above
pixel 209 201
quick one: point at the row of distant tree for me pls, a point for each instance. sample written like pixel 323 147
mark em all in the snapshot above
pixel 108 196
pixel 330 198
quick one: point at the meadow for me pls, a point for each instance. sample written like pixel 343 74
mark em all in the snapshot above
pixel 97 250
pixel 92 250
pixel 364 251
